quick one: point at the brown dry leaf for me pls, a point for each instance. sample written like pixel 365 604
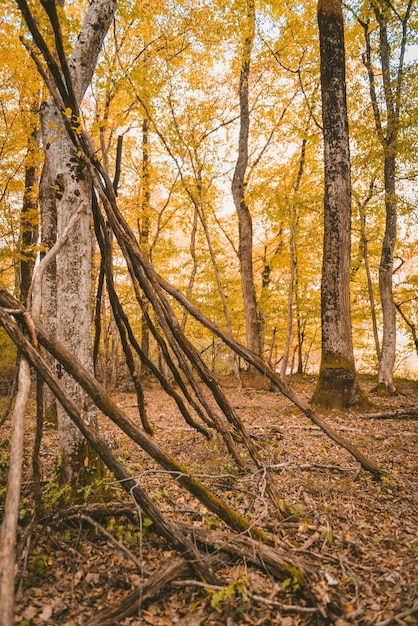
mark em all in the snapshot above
pixel 30 612
pixel 46 613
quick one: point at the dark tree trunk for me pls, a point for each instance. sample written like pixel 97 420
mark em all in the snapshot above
pixel 29 215
pixel 337 385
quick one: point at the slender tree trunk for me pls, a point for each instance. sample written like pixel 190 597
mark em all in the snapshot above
pixel 388 352
pixel 29 215
pixel 293 260
pixel 192 277
pixel 387 133
pixel 299 325
pixel 369 280
pixel 410 324
pixel 252 322
pixel 145 222
pixel 337 385
pixel 292 249
pixel 11 512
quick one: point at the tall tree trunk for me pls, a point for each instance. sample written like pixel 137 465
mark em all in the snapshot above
pixel 71 184
pixel 337 385
pixel 252 323
pixel 48 216
pixel 73 273
pixel 392 83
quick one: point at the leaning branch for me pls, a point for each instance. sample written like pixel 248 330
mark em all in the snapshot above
pixel 267 371
pixel 105 403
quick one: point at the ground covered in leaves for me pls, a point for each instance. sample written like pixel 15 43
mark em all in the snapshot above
pixel 358 536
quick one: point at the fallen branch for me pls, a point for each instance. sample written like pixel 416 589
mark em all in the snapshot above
pixel 105 403
pixel 110 537
pixel 267 371
pixel 283 607
pixel 131 604
pixel 406 413
pixel 275 561
pixel 168 530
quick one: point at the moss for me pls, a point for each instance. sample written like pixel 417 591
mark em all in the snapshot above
pixel 337 386
pixel 385 391
pixel 7 363
pixel 85 468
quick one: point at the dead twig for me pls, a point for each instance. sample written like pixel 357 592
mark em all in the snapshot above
pixel 111 538
pixel 400 616
pixel 283 607
pixel 131 604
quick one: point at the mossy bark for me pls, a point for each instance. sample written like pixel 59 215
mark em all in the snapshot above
pixel 86 467
pixel 337 386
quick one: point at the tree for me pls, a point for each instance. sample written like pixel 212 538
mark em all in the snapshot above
pixel 337 383
pixel 66 192
pixel 252 321
pixel 387 124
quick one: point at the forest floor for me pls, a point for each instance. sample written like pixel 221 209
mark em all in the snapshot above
pixel 83 557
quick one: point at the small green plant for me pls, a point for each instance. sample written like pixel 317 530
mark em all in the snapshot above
pixel 129 534
pixel 293 510
pixel 295 579
pixel 25 511
pixel 56 495
pixel 38 565
pixel 236 589
pixel 211 522
pixel 328 536
pixel 161 494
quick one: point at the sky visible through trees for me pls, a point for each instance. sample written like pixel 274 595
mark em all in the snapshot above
pixel 177 65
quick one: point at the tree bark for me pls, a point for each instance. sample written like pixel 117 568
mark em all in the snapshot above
pixel 337 385
pixel 388 351
pixel 369 279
